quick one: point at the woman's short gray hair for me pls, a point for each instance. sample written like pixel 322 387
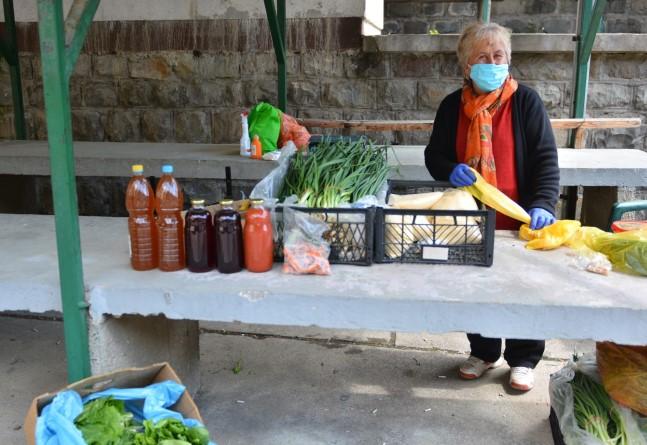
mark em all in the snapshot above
pixel 481 31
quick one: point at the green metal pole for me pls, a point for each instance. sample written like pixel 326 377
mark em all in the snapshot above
pixel 581 72
pixel 484 10
pixel 588 23
pixel 77 25
pixel 278 40
pixel 587 39
pixel 11 49
pixel 59 135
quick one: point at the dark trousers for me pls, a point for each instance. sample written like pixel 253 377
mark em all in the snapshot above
pixel 525 353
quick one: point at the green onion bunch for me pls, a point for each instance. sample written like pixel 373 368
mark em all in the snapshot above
pixel 334 173
pixel 596 413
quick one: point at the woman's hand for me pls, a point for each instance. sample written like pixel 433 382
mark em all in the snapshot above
pixel 540 218
pixel 462 176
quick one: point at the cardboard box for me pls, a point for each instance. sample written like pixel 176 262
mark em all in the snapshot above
pixel 122 378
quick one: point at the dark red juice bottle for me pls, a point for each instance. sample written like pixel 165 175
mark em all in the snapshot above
pixel 198 238
pixel 229 238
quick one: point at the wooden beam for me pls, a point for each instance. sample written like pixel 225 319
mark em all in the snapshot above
pixel 427 125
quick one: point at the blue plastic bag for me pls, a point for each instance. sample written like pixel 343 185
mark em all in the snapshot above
pixel 55 425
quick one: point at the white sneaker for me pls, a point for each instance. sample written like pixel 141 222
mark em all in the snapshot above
pixel 522 378
pixel 474 367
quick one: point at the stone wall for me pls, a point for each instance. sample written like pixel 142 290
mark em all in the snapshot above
pixel 128 87
pixel 550 16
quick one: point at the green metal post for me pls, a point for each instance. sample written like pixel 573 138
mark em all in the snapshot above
pixel 484 10
pixel 10 52
pixel 77 25
pixel 277 29
pixel 588 22
pixel 59 135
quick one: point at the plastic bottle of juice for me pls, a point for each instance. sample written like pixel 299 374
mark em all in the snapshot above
pixel 142 230
pixel 257 148
pixel 229 238
pixel 198 239
pixel 169 201
pixel 258 238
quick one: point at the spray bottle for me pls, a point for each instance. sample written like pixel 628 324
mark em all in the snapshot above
pixel 245 143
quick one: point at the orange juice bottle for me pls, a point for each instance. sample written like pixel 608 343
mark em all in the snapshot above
pixel 257 148
pixel 169 202
pixel 142 231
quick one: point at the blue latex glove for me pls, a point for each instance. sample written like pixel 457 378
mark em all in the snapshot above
pixel 462 176
pixel 540 218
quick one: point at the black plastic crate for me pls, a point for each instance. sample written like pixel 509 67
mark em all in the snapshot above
pixel 350 233
pixel 433 236
pixel 555 430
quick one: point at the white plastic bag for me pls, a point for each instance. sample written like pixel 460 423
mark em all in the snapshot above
pixel 561 401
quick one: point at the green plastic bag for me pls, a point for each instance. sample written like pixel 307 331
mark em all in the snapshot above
pixel 265 121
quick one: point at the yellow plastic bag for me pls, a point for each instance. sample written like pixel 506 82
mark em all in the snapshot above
pixel 550 237
pixel 493 197
pixel 627 251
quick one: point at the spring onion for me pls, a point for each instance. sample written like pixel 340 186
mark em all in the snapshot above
pixel 334 173
pixel 596 413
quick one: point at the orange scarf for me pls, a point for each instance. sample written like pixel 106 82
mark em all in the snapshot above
pixel 479 110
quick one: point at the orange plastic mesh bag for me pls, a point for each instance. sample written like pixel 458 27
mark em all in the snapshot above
pixel 291 130
pixel 623 370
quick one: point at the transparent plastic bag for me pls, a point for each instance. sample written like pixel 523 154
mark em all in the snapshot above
pixel 304 249
pixel 561 401
pixel 591 261
pixel 268 187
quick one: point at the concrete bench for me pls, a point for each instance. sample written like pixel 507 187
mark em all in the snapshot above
pixel 136 318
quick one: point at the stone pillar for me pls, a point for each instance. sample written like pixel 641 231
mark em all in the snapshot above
pixel 132 340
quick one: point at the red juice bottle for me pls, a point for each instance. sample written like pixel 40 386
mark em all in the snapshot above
pixel 142 230
pixel 198 238
pixel 258 238
pixel 229 238
pixel 169 200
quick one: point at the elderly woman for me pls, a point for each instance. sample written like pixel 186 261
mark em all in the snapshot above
pixel 500 128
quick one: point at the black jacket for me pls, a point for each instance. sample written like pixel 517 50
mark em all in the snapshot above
pixel 534 147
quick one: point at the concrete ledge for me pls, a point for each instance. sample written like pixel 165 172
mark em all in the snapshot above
pixel 521 43
pixel 585 167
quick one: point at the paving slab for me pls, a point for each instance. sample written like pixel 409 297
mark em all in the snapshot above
pixel 291 391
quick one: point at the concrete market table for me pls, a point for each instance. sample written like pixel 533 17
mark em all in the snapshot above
pixel 137 318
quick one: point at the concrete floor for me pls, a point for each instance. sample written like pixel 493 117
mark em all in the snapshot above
pixel 315 386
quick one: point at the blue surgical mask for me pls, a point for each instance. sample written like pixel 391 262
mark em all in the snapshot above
pixel 489 76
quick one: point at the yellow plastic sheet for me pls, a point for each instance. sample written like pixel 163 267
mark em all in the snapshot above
pixel 493 197
pixel 550 237
pixel 627 251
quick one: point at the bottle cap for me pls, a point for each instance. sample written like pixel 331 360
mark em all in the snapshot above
pixel 226 202
pixel 197 202
pixel 255 136
pixel 137 168
pixel 167 168
pixel 257 201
